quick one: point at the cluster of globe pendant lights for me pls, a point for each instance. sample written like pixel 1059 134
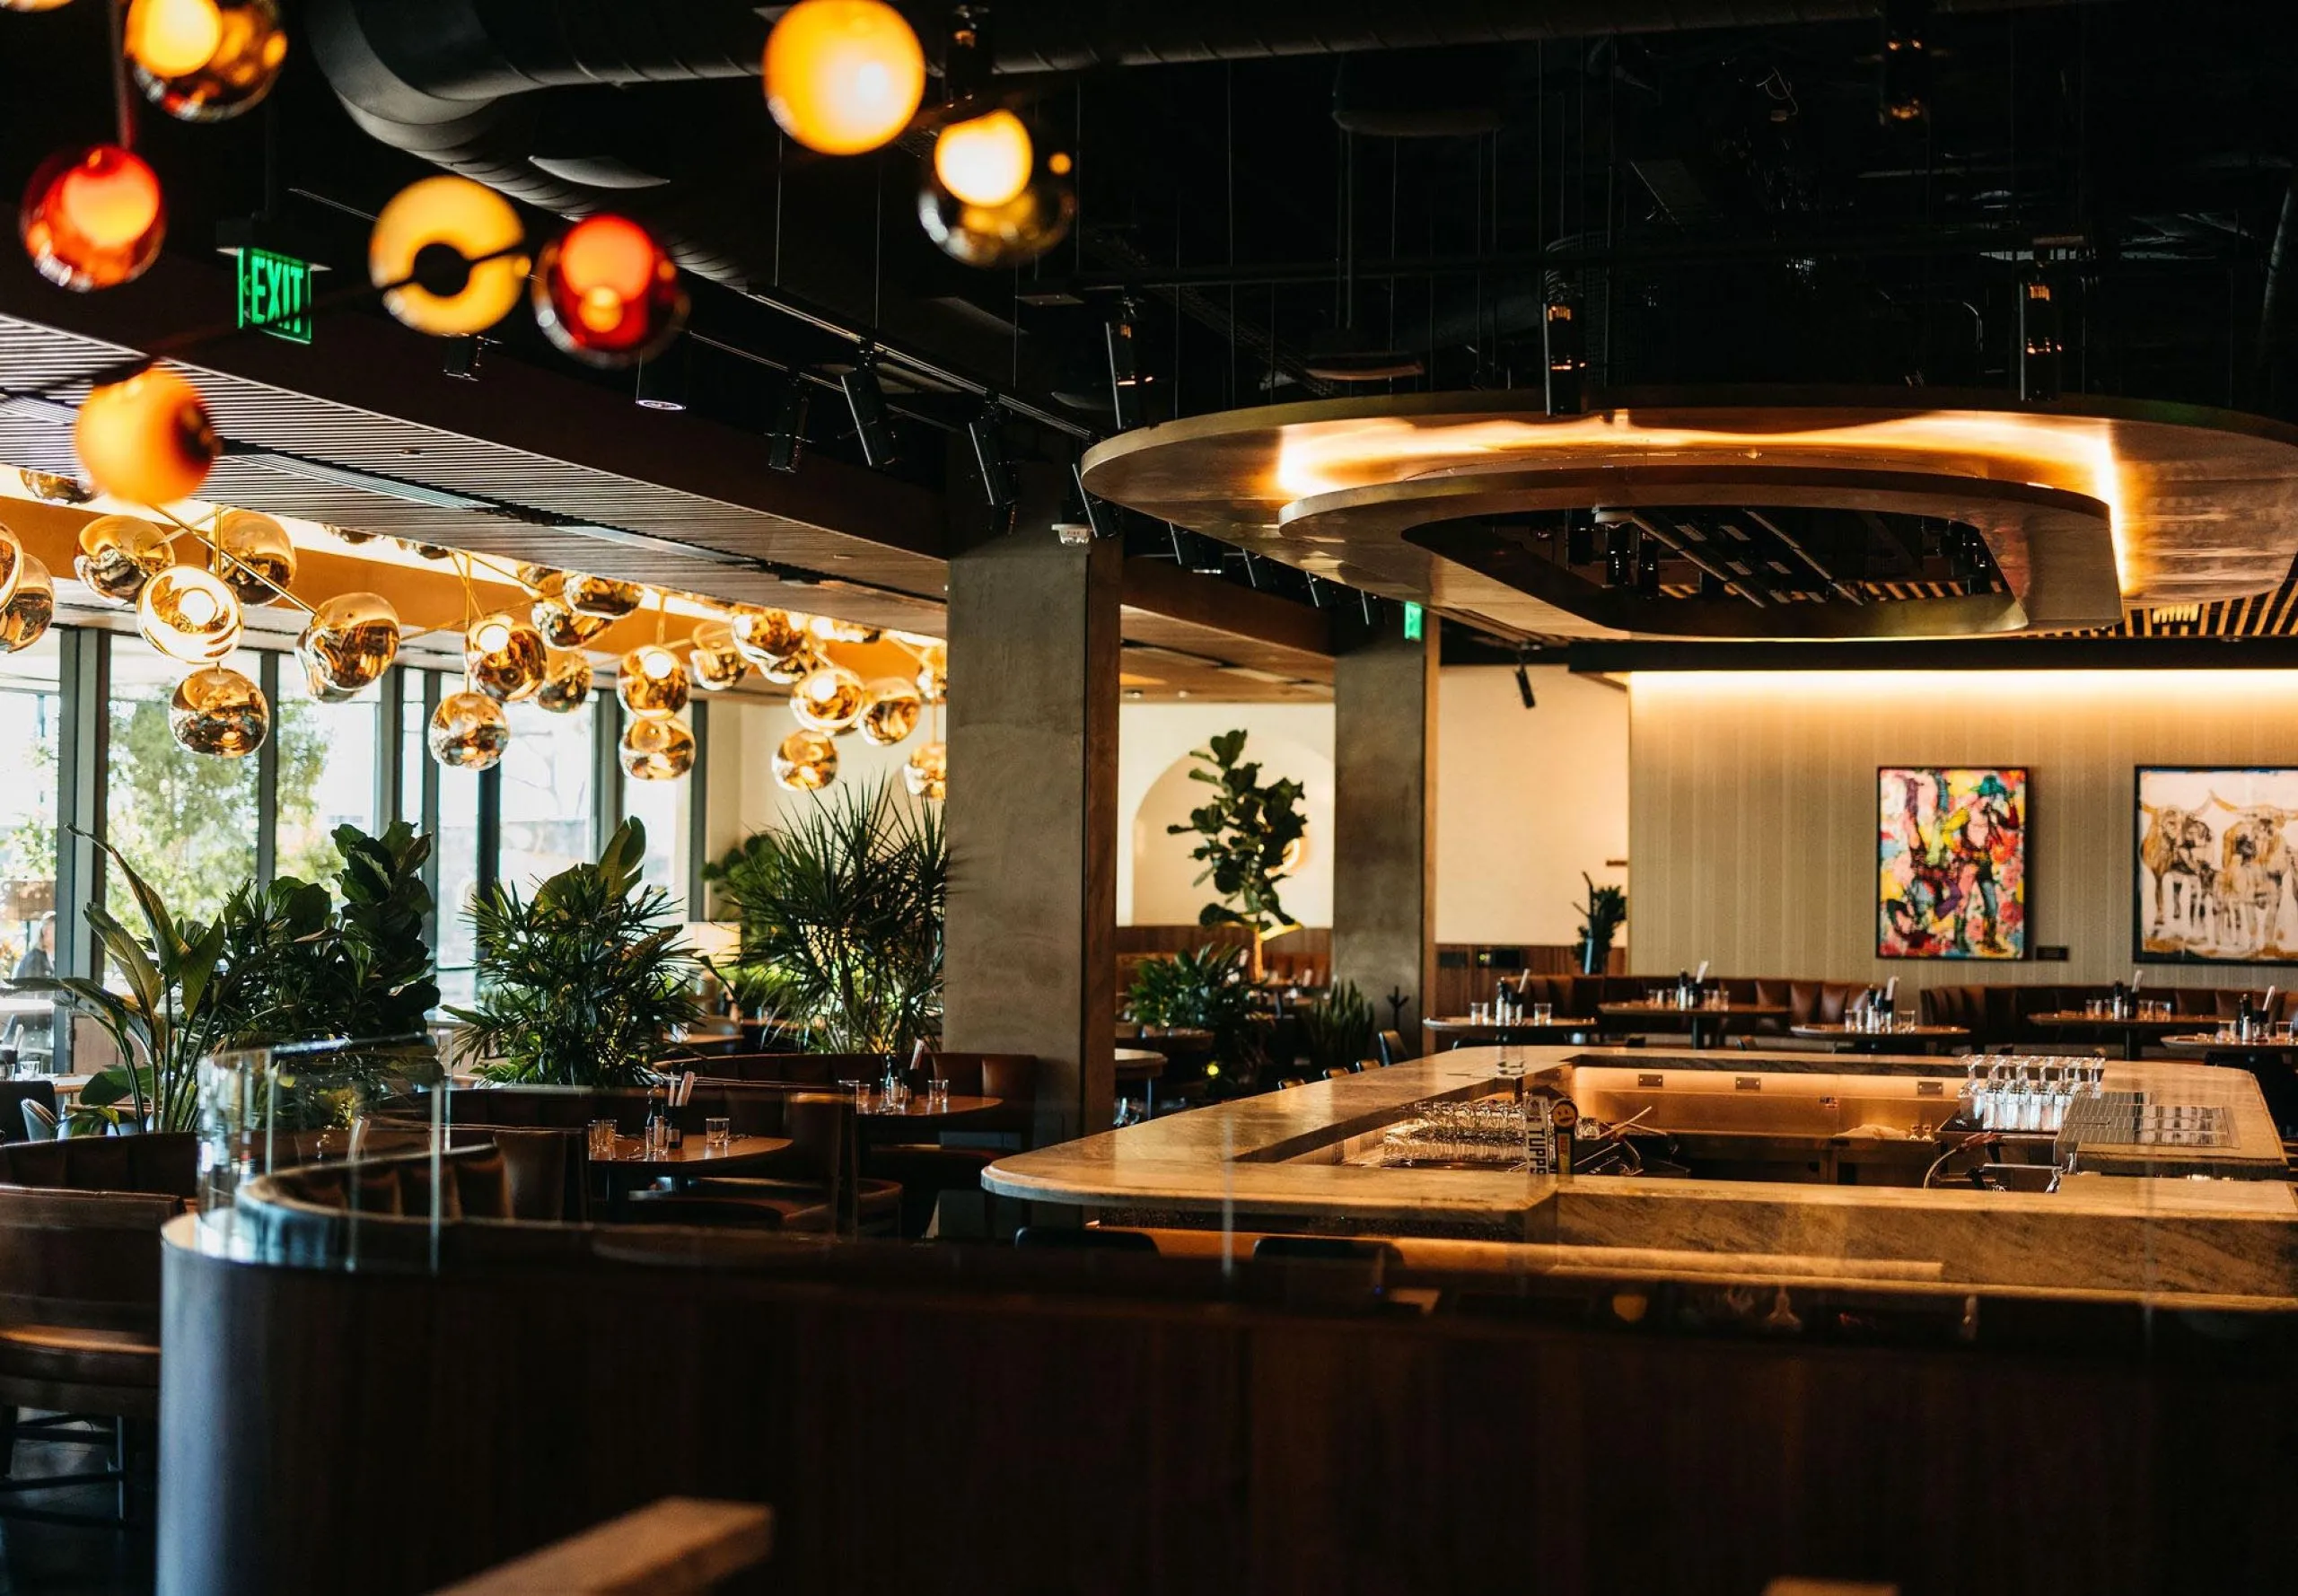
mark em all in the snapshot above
pixel 449 256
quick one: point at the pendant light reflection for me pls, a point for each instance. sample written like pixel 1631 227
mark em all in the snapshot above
pixel 933 676
pixel 504 657
pixel 651 682
pixel 657 750
pixel 607 293
pixel 805 762
pixel 560 626
pixel 11 562
pixel 220 712
pixel 566 683
pixel 205 60
pixel 447 249
pixel 716 664
pixel 119 554
pixel 93 218
pixel 926 774
pixel 24 618
pixel 790 669
pixel 147 439
pixel 349 643
pixel 600 596
pixel 262 562
pixel 843 77
pixel 986 160
pixel 893 712
pixel 1017 232
pixel 54 487
pixel 831 699
pixel 468 732
pixel 189 614
pixel 766 637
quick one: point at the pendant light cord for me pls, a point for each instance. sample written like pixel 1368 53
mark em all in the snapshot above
pixel 123 103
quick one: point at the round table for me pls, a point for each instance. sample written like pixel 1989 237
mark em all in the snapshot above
pixel 2270 1058
pixel 917 1108
pixel 1703 1024
pixel 1459 1032
pixel 2133 1030
pixel 1856 1041
pixel 744 1155
pixel 1141 1066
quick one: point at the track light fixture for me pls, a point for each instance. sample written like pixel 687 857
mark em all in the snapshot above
pixel 461 361
pixel 785 435
pixel 662 384
pixel 1099 519
pixel 1524 684
pixel 1125 371
pixel 989 457
pixel 867 401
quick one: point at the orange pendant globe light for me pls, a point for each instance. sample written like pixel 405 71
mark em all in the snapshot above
pixel 205 60
pixel 93 218
pixel 986 160
pixel 606 293
pixel 843 77
pixel 446 251
pixel 146 439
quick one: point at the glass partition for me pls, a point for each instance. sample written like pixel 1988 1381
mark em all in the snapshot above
pixel 185 821
pixel 546 810
pixel 31 708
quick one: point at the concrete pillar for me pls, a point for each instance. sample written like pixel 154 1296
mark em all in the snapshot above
pixel 1384 821
pixel 1032 807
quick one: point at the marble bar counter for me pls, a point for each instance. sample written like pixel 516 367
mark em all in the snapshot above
pixel 2215 1225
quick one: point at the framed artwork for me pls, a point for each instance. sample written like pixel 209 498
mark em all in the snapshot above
pixel 2211 878
pixel 1950 846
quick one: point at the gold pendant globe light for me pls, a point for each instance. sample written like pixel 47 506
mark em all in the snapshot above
pixel 560 626
pixel 764 636
pixel 219 712
pixel 11 562
pixel 657 748
pixel 926 774
pixel 651 682
pixel 985 160
pixel 843 77
pixel 119 554
pixel 24 618
pixel 446 251
pixel 348 643
pixel 933 675
pixel 205 60
pixel 259 560
pixel 1009 232
pixel 601 596
pixel 93 218
pixel 54 487
pixel 831 699
pixel 806 761
pixel 790 669
pixel 146 439
pixel 538 579
pixel 566 683
pixel 893 712
pixel 190 614
pixel 711 654
pixel 468 732
pixel 504 657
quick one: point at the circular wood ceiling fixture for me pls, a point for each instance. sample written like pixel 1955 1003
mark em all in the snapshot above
pixel 1800 512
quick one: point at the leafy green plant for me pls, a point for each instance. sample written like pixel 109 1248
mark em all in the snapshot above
pixel 1247 826
pixel 1604 912
pixel 1204 990
pixel 582 984
pixel 845 907
pixel 1337 1033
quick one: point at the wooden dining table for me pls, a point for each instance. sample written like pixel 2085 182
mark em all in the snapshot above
pixel 1852 1038
pixel 1461 1031
pixel 2134 1031
pixel 2271 1058
pixel 1705 1026
pixel 631 1164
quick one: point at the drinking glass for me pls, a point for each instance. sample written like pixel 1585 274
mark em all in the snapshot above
pixel 937 1095
pixel 717 1134
pixel 603 1139
pixel 658 1138
pixel 1543 1013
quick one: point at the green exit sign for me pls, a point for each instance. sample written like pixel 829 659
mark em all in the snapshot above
pixel 275 295
pixel 1412 622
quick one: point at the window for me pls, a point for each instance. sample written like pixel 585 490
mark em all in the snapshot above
pixel 327 778
pixel 546 795
pixel 31 712
pixel 459 879
pixel 185 821
pixel 660 806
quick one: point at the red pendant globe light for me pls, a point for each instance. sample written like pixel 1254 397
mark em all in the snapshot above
pixel 93 217
pixel 606 293
pixel 146 439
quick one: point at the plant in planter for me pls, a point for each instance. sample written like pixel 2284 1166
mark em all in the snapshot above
pixel 1247 826
pixel 583 983
pixel 1605 912
pixel 1204 990
pixel 1337 1033
pixel 845 909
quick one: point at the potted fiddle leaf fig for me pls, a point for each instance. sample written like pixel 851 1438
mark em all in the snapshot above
pixel 583 983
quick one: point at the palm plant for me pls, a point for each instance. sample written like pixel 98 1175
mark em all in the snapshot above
pixel 584 983
pixel 846 907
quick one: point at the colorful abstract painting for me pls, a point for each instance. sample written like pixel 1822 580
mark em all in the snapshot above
pixel 1951 850
pixel 2213 879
